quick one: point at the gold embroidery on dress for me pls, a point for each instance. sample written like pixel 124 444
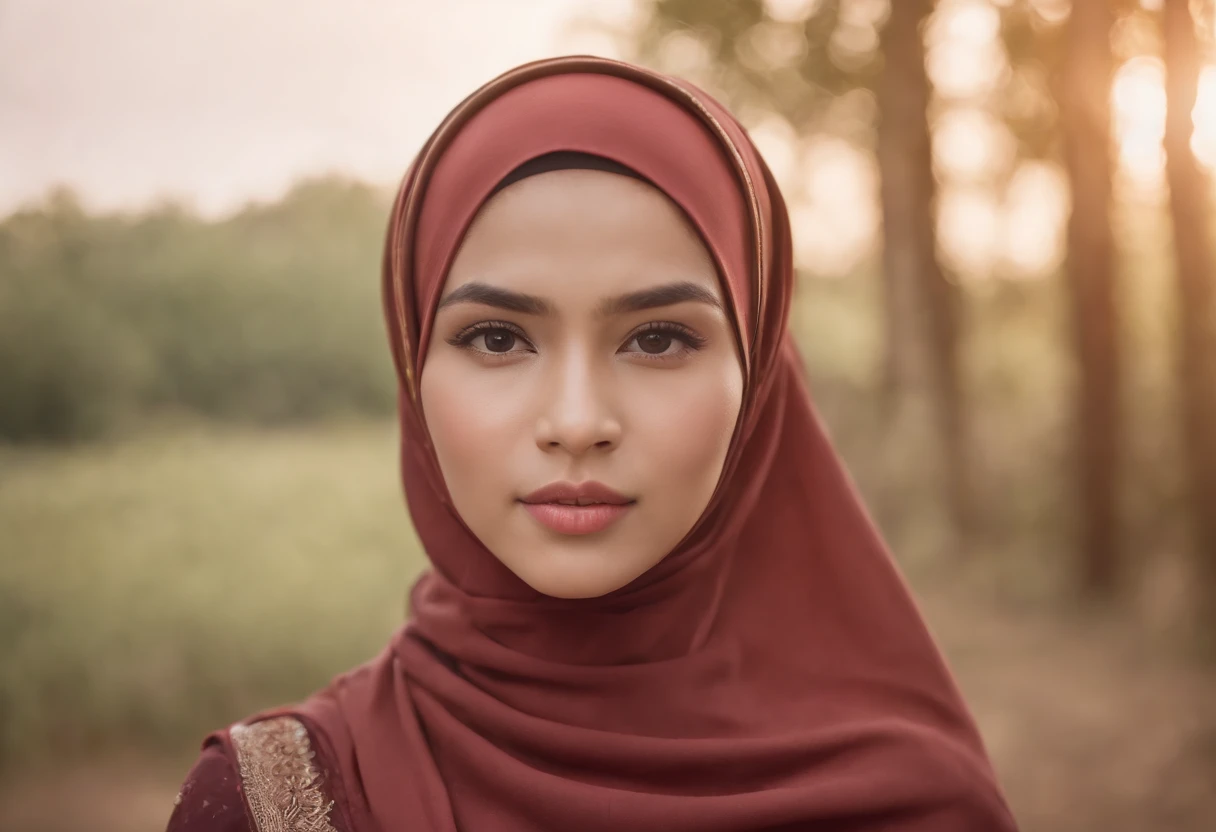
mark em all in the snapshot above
pixel 281 783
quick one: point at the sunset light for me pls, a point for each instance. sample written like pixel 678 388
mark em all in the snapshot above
pixel 826 440
pixel 1204 140
pixel 1139 106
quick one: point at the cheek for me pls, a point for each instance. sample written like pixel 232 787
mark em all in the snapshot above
pixel 470 422
pixel 685 426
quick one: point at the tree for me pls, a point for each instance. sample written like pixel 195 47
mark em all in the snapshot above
pixel 1083 90
pixel 922 320
pixel 1196 283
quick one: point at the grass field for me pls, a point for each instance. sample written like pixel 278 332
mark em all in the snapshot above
pixel 154 588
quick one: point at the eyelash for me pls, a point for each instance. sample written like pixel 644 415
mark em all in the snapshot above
pixel 692 340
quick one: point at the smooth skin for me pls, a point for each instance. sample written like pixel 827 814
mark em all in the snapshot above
pixel 582 334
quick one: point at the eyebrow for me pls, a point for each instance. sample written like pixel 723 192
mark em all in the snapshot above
pixel 488 295
pixel 668 294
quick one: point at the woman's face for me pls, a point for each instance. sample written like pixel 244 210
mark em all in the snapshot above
pixel 582 381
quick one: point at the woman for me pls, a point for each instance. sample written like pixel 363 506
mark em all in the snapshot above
pixel 656 602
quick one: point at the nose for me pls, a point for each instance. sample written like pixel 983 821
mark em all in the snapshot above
pixel 576 414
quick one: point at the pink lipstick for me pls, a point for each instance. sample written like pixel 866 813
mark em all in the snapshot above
pixel 576 509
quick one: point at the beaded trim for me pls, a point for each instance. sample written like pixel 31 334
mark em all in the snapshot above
pixel 282 786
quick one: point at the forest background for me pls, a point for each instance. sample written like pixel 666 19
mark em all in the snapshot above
pixel 1007 304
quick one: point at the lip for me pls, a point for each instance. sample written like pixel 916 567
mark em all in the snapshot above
pixel 605 506
pixel 590 491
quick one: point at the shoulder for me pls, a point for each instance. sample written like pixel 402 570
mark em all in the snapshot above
pixel 255 777
pixel 210 798
pixel 963 782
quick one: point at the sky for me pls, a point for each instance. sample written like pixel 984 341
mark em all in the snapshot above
pixel 216 102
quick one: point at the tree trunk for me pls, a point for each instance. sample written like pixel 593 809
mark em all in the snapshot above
pixel 1196 282
pixel 1083 92
pixel 922 309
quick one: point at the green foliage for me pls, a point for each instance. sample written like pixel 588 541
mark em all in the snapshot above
pixel 265 317
pixel 792 67
pixel 1035 46
pixel 155 589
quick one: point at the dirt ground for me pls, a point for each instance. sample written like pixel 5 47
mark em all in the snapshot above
pixel 1092 727
pixel 1090 723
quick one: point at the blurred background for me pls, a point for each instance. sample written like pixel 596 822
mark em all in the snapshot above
pixel 1003 212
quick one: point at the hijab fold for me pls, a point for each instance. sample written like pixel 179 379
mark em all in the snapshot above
pixel 771 673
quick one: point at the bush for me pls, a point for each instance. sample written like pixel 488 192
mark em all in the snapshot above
pixel 270 316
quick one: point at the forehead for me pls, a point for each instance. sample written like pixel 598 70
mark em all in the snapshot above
pixel 613 232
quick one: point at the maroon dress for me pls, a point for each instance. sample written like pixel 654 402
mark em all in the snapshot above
pixel 267 776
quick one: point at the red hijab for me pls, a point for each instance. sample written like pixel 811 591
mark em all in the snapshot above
pixel 771 673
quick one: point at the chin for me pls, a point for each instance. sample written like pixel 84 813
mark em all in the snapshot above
pixel 570 593
pixel 569 576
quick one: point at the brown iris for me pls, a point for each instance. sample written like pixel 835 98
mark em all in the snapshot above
pixel 499 341
pixel 654 342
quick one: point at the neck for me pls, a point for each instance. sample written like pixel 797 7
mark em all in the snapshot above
pixel 669 620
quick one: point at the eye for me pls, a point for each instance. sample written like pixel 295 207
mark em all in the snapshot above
pixel 497 338
pixel 664 340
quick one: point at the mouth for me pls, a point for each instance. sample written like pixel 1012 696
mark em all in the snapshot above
pixel 576 509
